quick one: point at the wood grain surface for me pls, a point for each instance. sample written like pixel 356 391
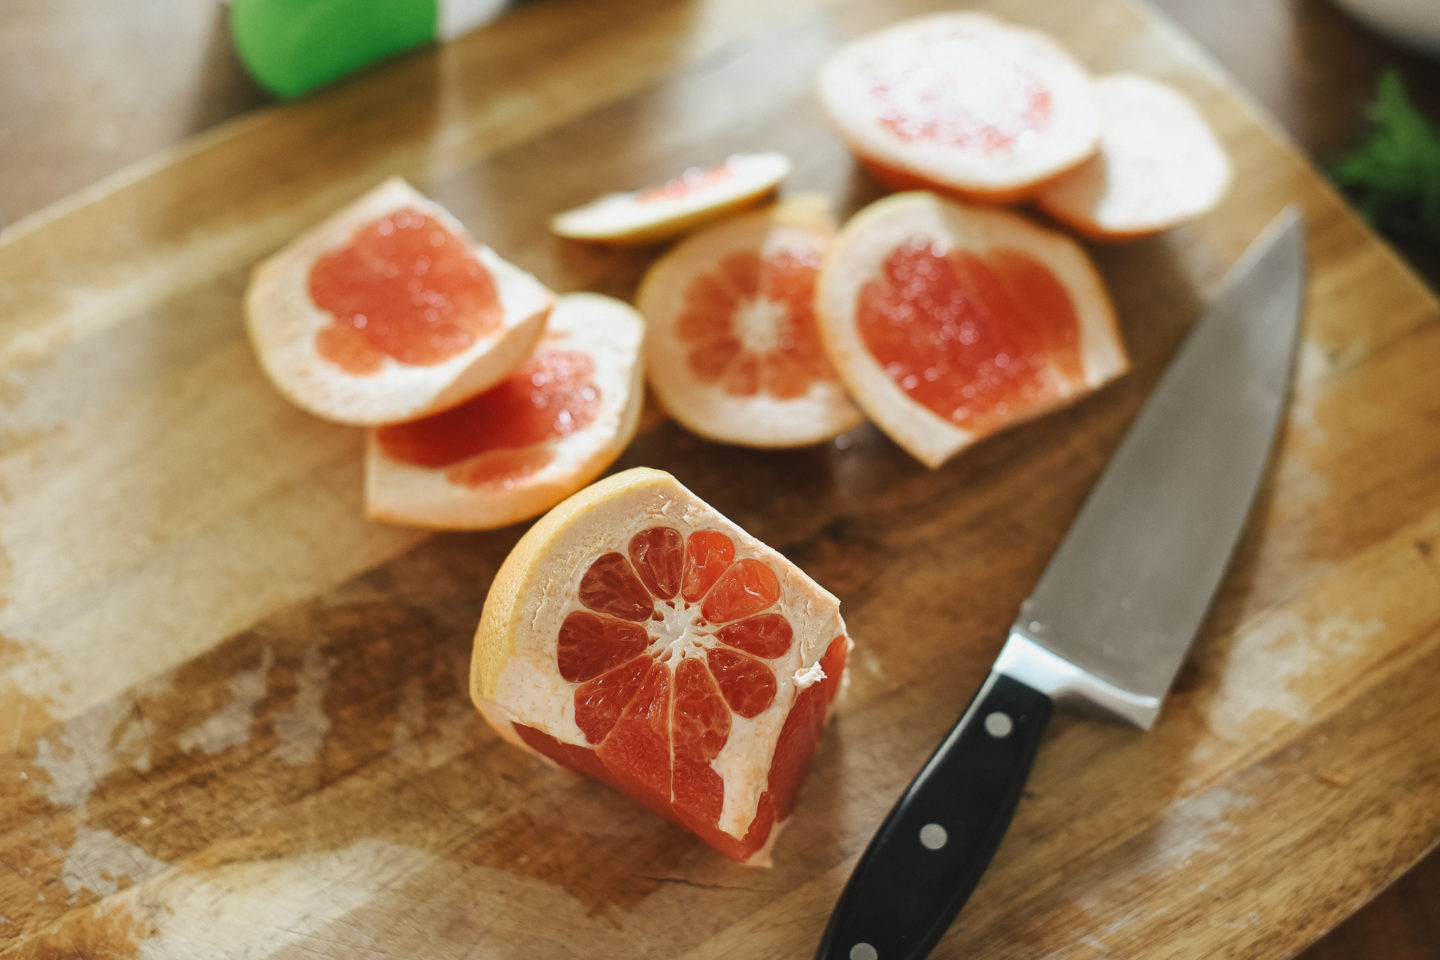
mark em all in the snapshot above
pixel 233 711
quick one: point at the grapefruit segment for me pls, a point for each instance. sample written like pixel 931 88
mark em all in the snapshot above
pixel 516 450
pixel 599 702
pixel 767 635
pixel 389 311
pixel 680 204
pixel 696 720
pixel 962 102
pixel 733 353
pixel 949 322
pixel 710 553
pixel 1159 165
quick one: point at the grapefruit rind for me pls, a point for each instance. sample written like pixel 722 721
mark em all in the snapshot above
pixel 283 322
pixel 619 218
pixel 993 174
pixel 886 224
pixel 513 675
pixel 1159 165
pixel 759 420
pixel 610 333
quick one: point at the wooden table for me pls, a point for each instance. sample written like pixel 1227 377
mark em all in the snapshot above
pixel 82 95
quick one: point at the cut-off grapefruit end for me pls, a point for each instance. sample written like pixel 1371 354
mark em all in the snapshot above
pixel 732 350
pixel 961 102
pixel 665 210
pixel 1159 165
pixel 390 311
pixel 637 636
pixel 949 322
pixel 514 451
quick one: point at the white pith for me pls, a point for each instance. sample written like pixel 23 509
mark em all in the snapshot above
pixel 761 325
pixel 1159 163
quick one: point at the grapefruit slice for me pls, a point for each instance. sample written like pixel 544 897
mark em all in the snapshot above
pixel 522 446
pixel 732 352
pixel 1159 165
pixel 666 210
pixel 949 322
pixel 636 635
pixel 962 102
pixel 389 311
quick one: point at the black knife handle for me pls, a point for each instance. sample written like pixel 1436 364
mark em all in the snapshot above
pixel 928 855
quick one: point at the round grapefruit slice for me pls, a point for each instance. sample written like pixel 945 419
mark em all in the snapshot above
pixel 732 351
pixel 962 102
pixel 949 322
pixel 666 210
pixel 389 311
pixel 519 448
pixel 636 635
pixel 1159 165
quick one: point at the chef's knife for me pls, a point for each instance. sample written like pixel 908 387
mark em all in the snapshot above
pixel 1114 613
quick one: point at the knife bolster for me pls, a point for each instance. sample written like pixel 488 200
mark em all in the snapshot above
pixel 1069 685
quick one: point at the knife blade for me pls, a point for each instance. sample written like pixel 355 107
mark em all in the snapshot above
pixel 1114 613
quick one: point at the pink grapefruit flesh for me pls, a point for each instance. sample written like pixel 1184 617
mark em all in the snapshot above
pixel 404 287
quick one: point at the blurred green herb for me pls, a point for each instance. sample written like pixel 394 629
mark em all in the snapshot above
pixel 1394 174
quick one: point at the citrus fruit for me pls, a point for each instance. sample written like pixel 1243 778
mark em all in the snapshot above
pixel 732 351
pixel 636 635
pixel 962 102
pixel 680 204
pixel 1159 164
pixel 949 322
pixel 389 311
pixel 522 446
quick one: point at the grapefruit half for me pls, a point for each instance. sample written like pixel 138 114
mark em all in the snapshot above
pixel 522 446
pixel 1159 165
pixel 668 209
pixel 961 102
pixel 732 351
pixel 389 311
pixel 949 322
pixel 637 636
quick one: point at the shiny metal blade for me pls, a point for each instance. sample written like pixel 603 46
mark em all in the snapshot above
pixel 1124 595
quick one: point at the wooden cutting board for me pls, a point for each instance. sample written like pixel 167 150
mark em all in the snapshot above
pixel 233 713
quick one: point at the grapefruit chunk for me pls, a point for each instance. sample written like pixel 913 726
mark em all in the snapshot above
pixel 389 311
pixel 524 445
pixel 732 352
pixel 962 102
pixel 949 322
pixel 637 636
pixel 668 209
pixel 1159 165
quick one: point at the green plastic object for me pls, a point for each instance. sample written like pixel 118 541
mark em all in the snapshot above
pixel 292 47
